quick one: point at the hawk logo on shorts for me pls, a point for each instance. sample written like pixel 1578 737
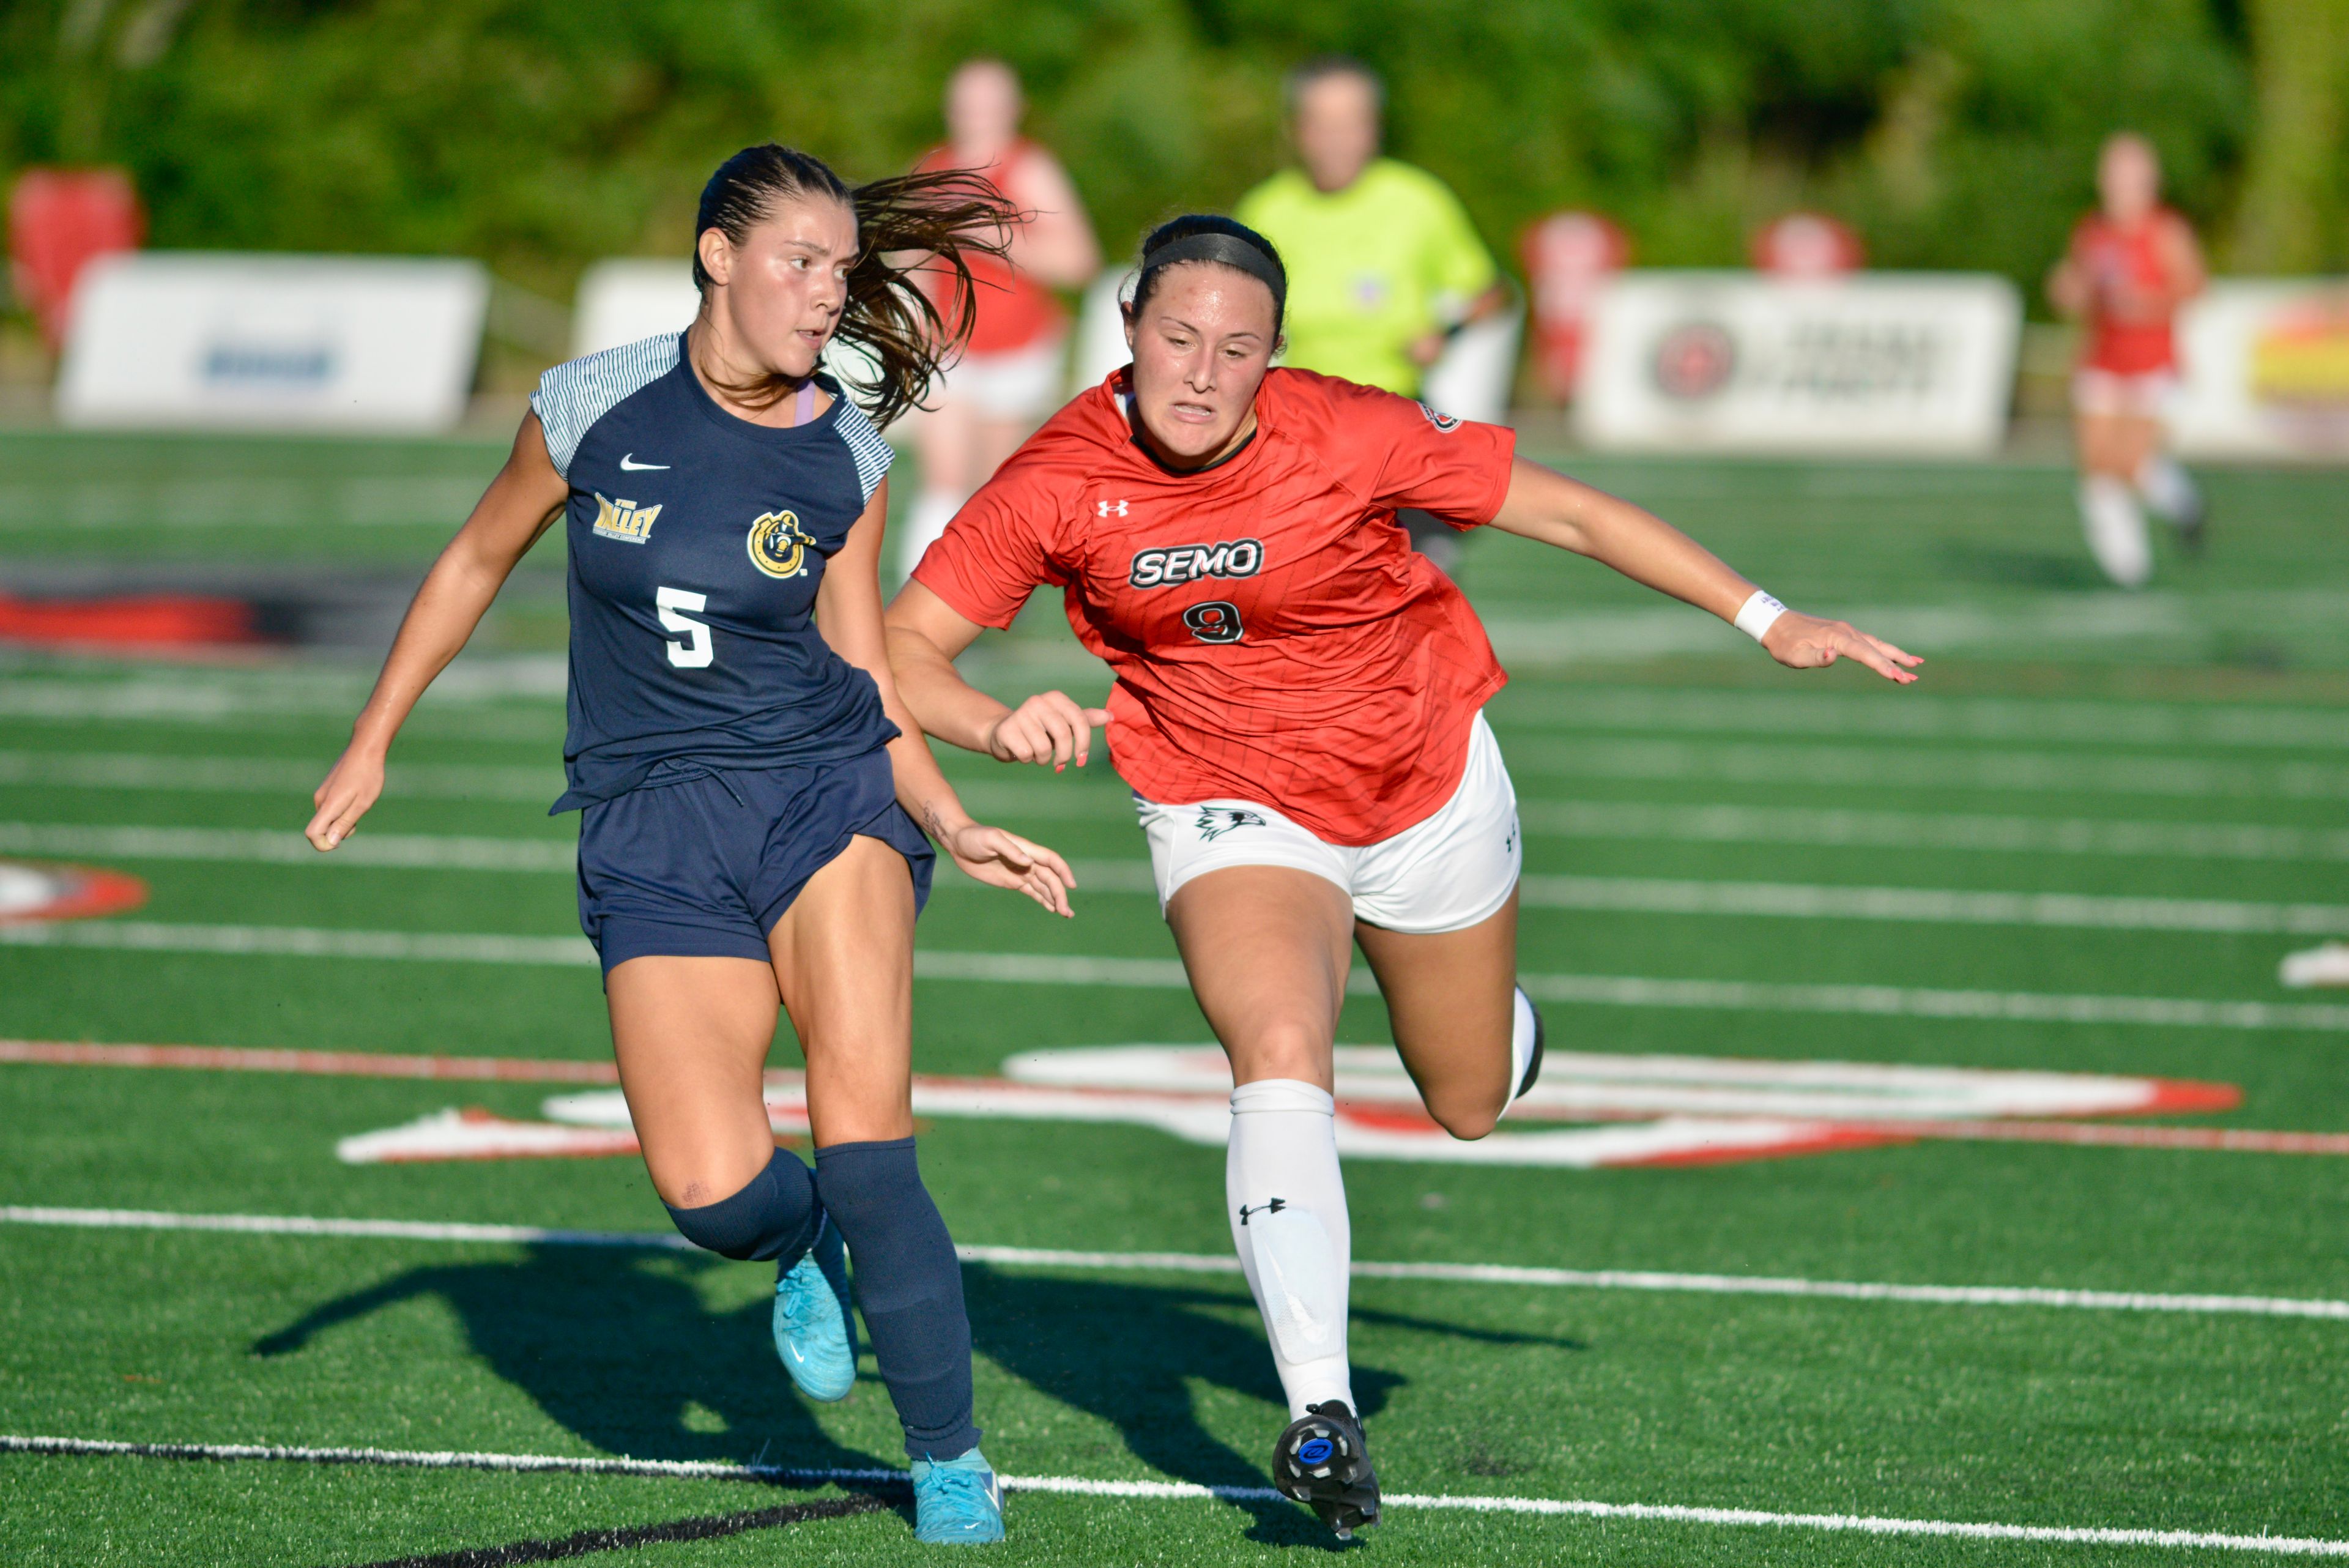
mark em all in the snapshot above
pixel 1214 821
pixel 623 521
pixel 1446 423
pixel 1217 620
pixel 779 546
pixel 1274 1207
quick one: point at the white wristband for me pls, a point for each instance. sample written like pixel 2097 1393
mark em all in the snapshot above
pixel 1757 615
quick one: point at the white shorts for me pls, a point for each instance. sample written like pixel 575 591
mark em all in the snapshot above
pixel 2108 394
pixel 1445 873
pixel 1017 384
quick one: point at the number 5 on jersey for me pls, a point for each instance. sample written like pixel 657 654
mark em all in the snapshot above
pixel 695 652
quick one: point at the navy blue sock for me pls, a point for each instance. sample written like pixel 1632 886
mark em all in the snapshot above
pixel 775 1217
pixel 910 1286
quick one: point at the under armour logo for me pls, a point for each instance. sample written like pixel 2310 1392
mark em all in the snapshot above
pixel 1110 508
pixel 1274 1207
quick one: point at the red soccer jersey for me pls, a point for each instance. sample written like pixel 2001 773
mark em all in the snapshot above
pixel 1274 637
pixel 2118 258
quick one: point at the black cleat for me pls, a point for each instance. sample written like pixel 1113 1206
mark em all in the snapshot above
pixel 1321 1462
pixel 1534 1060
pixel 2191 526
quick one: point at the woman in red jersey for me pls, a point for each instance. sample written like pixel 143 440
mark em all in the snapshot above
pixel 2131 264
pixel 1013 370
pixel 1297 708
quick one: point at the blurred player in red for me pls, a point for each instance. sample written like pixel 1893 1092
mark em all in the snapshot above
pixel 2132 263
pixel 1299 708
pixel 1014 371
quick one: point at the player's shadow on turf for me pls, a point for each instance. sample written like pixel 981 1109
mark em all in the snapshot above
pixel 619 1348
pixel 1131 1354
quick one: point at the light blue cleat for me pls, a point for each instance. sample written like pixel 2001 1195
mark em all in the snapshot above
pixel 957 1500
pixel 814 1335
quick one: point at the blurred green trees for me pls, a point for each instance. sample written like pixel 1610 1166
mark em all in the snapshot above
pixel 541 134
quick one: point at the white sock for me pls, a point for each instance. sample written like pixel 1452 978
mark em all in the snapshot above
pixel 933 510
pixel 2168 488
pixel 1288 1203
pixel 1521 1042
pixel 2116 529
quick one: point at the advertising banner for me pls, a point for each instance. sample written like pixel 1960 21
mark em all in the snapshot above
pixel 198 339
pixel 622 301
pixel 2264 367
pixel 1870 362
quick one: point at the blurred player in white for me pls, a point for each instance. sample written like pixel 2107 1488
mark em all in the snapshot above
pixel 1013 372
pixel 2132 264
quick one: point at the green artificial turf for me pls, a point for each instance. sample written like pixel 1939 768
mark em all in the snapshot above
pixel 2218 698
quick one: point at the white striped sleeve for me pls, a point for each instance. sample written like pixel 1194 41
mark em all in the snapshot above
pixel 872 451
pixel 572 396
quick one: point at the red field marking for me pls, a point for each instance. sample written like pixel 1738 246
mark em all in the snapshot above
pixel 2240 1141
pixel 77 893
pixel 148 621
pixel 2174 1097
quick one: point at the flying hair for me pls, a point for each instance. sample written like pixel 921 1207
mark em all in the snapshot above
pixel 943 219
pixel 1207 238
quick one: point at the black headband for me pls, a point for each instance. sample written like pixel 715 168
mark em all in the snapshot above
pixel 1229 249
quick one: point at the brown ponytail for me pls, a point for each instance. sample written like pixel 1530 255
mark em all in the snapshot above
pixel 905 225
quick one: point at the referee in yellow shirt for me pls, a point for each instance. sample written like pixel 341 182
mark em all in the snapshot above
pixel 1384 263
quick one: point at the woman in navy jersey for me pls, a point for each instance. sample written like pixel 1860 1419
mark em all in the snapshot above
pixel 750 783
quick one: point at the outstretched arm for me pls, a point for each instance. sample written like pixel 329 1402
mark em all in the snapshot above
pixel 926 634
pixel 1545 506
pixel 848 614
pixel 525 497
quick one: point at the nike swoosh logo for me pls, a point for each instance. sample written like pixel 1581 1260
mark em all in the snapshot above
pixel 795 1352
pixel 629 465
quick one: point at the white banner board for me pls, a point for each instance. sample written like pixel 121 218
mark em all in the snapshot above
pixel 1868 362
pixel 626 300
pixel 214 340
pixel 623 301
pixel 2264 367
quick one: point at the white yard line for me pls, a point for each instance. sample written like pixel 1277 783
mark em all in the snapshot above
pixel 421 850
pixel 1571 819
pixel 268 776
pixel 1167 974
pixel 1642 895
pixel 1225 1263
pixel 1081 1486
pixel 1815 765
pixel 1936 906
pixel 1919 716
pixel 2152 840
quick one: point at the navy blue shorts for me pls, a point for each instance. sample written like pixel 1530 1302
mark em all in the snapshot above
pixel 703 864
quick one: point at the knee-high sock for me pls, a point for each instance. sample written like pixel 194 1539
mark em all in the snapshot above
pixel 1522 1032
pixel 933 510
pixel 1287 1204
pixel 2168 488
pixel 909 1285
pixel 2116 528
pixel 775 1216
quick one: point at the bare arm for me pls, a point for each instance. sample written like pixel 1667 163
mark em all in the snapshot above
pixel 926 634
pixel 1544 505
pixel 521 502
pixel 848 614
pixel 2187 274
pixel 1056 245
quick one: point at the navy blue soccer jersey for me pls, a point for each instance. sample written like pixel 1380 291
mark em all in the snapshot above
pixel 697 541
